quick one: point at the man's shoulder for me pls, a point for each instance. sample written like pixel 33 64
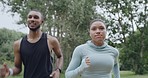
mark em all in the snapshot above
pixel 17 44
pixel 17 41
pixel 51 38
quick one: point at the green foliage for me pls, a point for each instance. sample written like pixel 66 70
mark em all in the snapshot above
pixel 134 53
pixel 7 37
pixel 68 20
pixel 126 16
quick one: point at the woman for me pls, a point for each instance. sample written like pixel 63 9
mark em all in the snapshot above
pixel 95 58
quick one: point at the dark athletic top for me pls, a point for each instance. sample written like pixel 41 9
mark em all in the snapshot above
pixel 36 58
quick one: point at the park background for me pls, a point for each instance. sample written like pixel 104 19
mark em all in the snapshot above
pixel 68 20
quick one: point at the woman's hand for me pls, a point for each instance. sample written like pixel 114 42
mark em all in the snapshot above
pixel 87 60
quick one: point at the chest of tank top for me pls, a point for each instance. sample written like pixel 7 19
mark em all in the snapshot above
pixel 34 51
pixel 36 58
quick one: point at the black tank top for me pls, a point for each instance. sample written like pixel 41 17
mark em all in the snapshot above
pixel 36 58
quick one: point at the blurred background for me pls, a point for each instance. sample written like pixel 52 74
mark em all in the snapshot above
pixel 68 20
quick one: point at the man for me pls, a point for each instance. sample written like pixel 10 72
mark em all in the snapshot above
pixel 34 51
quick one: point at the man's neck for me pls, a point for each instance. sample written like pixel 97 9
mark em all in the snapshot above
pixel 34 34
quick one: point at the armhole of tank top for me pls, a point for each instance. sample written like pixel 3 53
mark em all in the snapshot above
pixel 20 45
pixel 47 42
pixel 50 50
pixel 21 40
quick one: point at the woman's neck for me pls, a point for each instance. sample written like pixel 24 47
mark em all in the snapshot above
pixel 98 43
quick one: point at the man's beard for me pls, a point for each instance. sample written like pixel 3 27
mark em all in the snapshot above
pixel 34 29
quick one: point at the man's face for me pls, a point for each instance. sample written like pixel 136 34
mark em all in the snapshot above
pixel 97 31
pixel 34 20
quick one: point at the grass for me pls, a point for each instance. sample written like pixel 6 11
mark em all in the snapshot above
pixel 124 74
pixel 129 74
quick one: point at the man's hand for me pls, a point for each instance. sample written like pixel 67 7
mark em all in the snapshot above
pixel 4 71
pixel 55 74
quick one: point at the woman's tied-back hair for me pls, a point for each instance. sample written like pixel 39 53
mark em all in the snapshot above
pixel 97 20
pixel 100 20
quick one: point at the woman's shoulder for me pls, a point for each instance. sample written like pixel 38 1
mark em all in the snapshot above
pixel 81 46
pixel 114 50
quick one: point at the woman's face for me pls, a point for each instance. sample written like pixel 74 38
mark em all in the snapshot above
pixel 97 31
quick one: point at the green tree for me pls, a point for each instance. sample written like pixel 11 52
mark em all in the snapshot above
pixel 125 18
pixel 68 21
pixel 7 38
pixel 65 19
pixel 133 58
